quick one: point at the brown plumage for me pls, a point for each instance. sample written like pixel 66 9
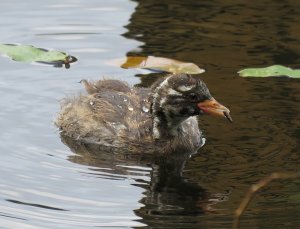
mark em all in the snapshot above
pixel 158 120
pixel 96 86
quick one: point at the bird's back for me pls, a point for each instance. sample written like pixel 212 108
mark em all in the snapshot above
pixel 112 114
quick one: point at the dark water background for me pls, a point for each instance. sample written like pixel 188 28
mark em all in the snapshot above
pixel 45 184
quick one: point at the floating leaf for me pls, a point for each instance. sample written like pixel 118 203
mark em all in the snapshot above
pixel 29 53
pixel 158 64
pixel 274 70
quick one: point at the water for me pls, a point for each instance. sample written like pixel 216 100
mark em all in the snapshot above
pixel 46 184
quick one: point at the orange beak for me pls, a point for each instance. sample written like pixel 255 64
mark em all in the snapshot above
pixel 212 107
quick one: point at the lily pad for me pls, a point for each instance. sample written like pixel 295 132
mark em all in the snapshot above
pixel 274 70
pixel 160 64
pixel 29 53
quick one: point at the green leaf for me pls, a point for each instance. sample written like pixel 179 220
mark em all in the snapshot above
pixel 29 53
pixel 158 64
pixel 274 70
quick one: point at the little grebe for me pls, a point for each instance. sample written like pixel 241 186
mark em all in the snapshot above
pixel 159 119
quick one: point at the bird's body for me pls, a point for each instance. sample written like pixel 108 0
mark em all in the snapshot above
pixel 161 119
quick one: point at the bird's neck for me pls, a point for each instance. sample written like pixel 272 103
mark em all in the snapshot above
pixel 165 127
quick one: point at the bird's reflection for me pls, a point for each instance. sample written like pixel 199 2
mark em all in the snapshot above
pixel 167 194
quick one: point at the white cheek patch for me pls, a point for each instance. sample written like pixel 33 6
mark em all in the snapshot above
pixel 163 84
pixel 162 102
pixel 156 133
pixel 173 92
pixel 184 88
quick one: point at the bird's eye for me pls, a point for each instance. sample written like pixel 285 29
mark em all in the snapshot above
pixel 193 96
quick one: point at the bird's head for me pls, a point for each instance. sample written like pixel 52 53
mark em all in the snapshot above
pixel 179 96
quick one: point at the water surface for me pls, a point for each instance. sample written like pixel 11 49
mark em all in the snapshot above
pixel 46 184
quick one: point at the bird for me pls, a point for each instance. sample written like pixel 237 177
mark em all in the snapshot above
pixel 158 120
pixel 94 87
